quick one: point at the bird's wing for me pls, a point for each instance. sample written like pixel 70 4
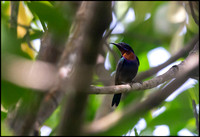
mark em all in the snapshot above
pixel 138 60
pixel 119 67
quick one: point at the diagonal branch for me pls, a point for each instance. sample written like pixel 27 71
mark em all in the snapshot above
pixel 179 54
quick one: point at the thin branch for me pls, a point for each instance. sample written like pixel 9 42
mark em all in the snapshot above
pixel 27 38
pixel 108 33
pixel 193 13
pixel 120 19
pixel 24 26
pixel 154 82
pixel 14 14
pixel 179 54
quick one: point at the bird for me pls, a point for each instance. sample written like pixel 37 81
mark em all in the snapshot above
pixel 126 70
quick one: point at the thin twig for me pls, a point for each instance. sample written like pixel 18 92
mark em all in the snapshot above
pixel 14 14
pixel 27 38
pixel 108 33
pixel 24 26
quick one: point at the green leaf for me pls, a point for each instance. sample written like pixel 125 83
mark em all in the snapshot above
pixel 144 65
pixel 3 115
pixel 9 42
pixel 194 93
pixel 36 35
pixel 113 60
pixel 136 133
pixel 94 102
pixel 141 8
pixel 131 97
pixel 54 119
pixel 5 130
pixel 10 93
pixel 54 18
pixel 121 8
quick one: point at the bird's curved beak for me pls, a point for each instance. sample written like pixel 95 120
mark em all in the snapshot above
pixel 118 46
pixel 115 44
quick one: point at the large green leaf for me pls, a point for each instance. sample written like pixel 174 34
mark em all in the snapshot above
pixel 9 42
pixel 53 120
pixel 52 16
pixel 92 106
pixel 10 93
pixel 3 115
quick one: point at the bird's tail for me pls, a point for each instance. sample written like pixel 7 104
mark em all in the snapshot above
pixel 116 99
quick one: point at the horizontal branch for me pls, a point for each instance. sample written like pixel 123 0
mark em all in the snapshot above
pixel 154 82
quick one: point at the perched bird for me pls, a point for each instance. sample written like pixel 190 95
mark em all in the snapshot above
pixel 127 68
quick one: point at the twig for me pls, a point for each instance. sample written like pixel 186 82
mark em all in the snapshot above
pixel 24 26
pixel 27 35
pixel 108 33
pixel 27 38
pixel 14 14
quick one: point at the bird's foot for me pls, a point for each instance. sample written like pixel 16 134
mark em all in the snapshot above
pixel 132 82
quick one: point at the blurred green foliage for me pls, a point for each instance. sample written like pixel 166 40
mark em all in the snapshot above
pixel 177 115
pixel 141 34
pixel 46 12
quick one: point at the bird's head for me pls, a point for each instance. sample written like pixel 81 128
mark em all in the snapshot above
pixel 126 51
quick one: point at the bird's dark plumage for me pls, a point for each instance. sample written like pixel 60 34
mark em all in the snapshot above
pixel 127 68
